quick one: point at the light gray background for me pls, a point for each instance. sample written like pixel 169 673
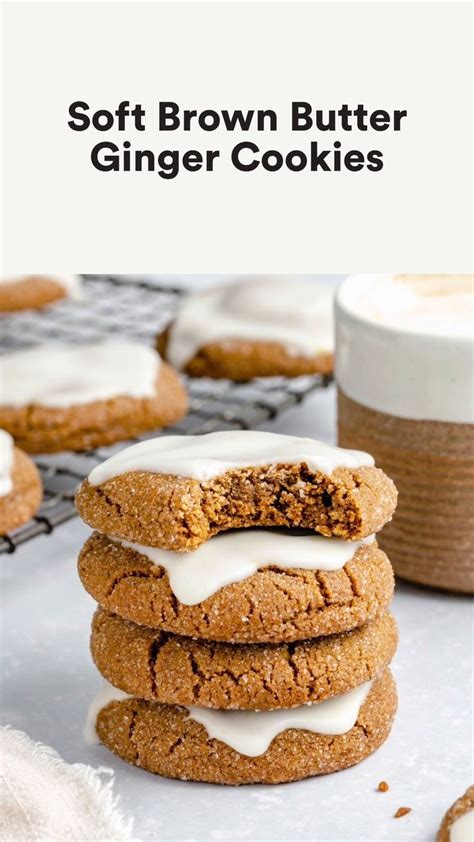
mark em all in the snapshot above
pixel 50 679
pixel 414 216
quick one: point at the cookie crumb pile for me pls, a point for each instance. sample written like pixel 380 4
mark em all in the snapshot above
pixel 243 626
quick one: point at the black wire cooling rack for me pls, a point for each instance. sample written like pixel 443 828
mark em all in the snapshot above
pixel 139 309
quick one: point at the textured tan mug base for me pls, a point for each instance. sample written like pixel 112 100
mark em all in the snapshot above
pixel 431 537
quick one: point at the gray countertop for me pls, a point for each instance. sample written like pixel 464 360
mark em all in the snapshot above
pixel 49 680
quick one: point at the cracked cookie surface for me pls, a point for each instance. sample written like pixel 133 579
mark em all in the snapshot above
pixel 157 666
pixel 23 501
pixel 164 740
pixel 41 429
pixel 272 605
pixel 180 513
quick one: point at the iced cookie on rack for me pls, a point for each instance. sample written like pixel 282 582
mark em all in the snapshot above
pixel 247 586
pixel 32 292
pixel 20 486
pixel 245 746
pixel 76 397
pixel 257 327
pixel 177 492
pixel 458 823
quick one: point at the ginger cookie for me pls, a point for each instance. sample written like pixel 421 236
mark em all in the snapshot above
pixel 20 486
pixel 77 397
pixel 458 823
pixel 179 491
pixel 32 292
pixel 274 604
pixel 157 666
pixel 243 747
pixel 244 360
pixel 259 327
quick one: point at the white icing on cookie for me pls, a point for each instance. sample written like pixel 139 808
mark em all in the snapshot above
pixel 234 556
pixel 462 830
pixel 6 463
pixel 250 732
pixel 71 284
pixel 204 457
pixel 66 375
pixel 106 694
pixel 293 312
pixel 405 345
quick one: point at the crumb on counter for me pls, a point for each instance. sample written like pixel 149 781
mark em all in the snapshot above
pixel 383 786
pixel 402 811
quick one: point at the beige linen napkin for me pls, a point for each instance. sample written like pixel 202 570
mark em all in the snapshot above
pixel 45 799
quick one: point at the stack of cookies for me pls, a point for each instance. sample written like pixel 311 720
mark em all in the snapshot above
pixel 243 626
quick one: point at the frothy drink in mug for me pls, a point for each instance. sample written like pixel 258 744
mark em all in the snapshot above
pixel 405 375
